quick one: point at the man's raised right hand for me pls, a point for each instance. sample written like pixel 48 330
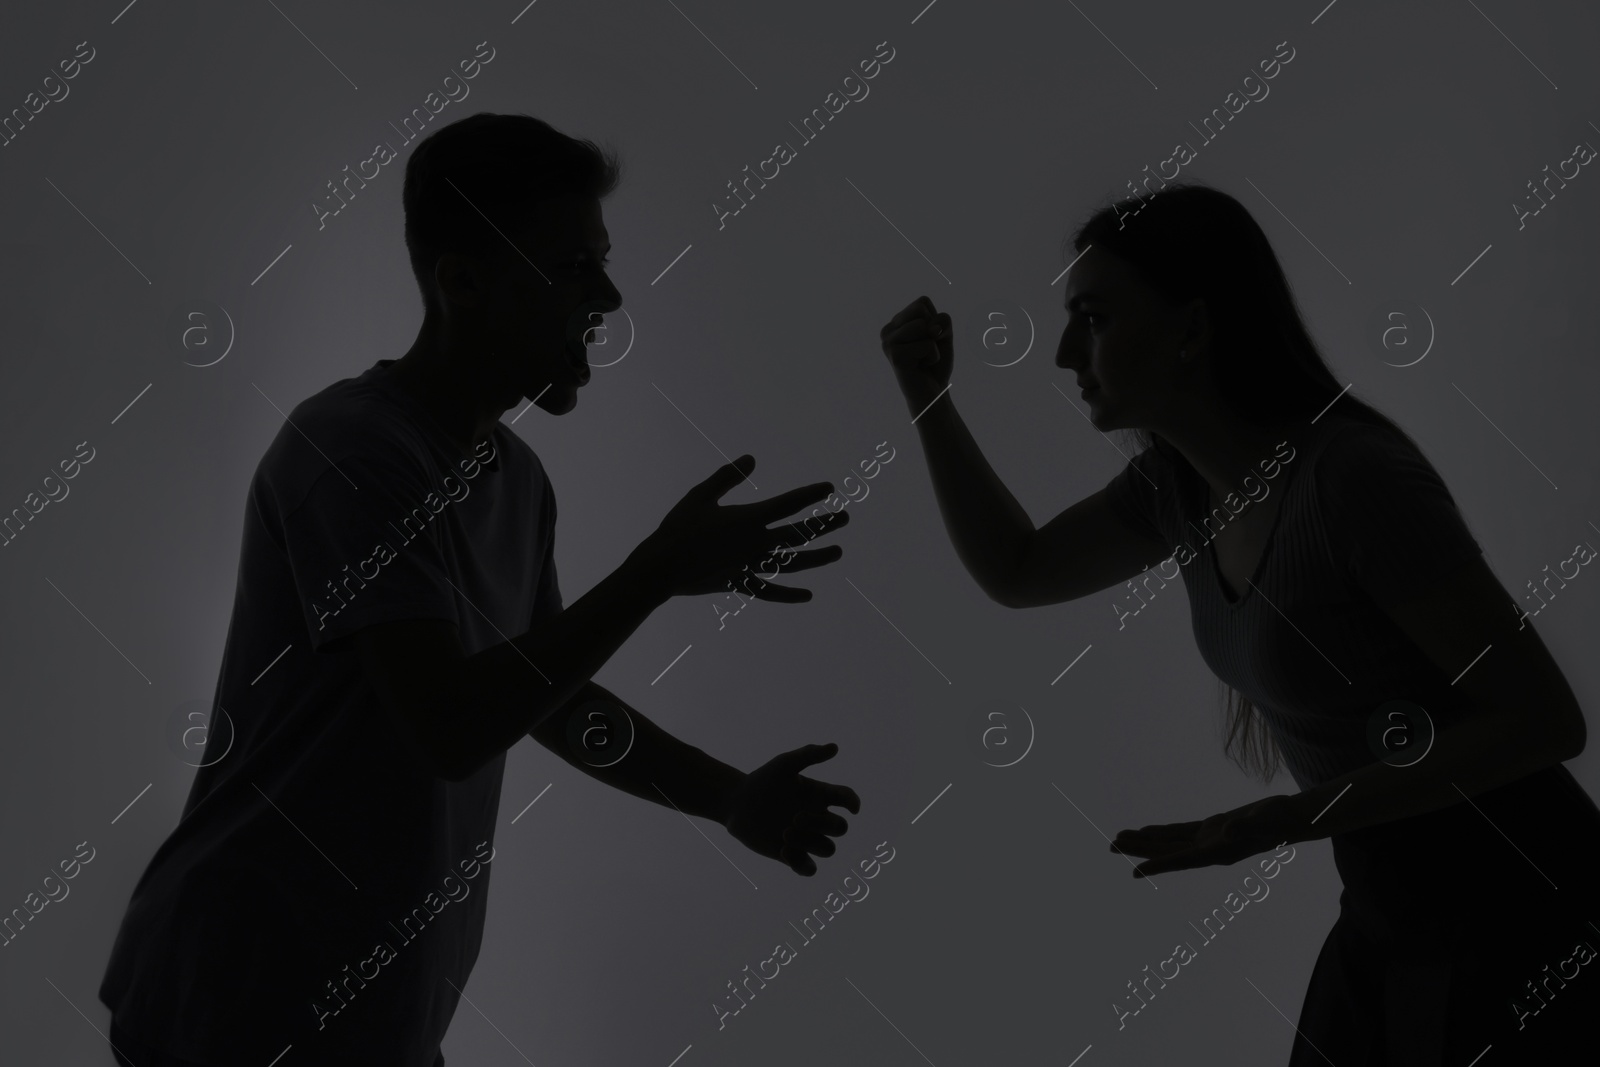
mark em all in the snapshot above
pixel 705 547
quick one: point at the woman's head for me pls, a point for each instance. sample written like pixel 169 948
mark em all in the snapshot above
pixel 1189 271
pixel 1186 271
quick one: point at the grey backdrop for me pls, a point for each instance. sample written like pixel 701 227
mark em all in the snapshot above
pixel 1385 162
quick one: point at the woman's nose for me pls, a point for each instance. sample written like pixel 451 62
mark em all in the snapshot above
pixel 1067 356
pixel 609 298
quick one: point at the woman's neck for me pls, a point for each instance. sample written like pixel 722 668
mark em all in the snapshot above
pixel 1225 450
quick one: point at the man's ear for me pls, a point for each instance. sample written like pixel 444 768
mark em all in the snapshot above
pixel 461 280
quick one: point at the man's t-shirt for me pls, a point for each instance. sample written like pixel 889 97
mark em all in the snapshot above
pixel 322 888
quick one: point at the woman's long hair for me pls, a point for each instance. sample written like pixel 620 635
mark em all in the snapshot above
pixel 1186 241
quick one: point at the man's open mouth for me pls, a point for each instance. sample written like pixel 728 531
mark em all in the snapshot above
pixel 578 360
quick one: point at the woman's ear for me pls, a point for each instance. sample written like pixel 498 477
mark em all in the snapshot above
pixel 1197 327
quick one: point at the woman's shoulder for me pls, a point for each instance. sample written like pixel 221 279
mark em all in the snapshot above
pixel 1172 479
pixel 1146 491
pixel 1357 446
pixel 1384 512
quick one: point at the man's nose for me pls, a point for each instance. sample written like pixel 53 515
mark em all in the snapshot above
pixel 607 299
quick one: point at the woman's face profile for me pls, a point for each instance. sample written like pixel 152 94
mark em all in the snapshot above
pixel 1121 341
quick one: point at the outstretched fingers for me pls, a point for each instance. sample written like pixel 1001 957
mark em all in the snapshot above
pixel 726 477
pixel 797 859
pixel 778 594
pixel 1161 832
pixel 820 822
pixel 1180 860
pixel 838 796
pixel 810 841
pixel 776 507
pixel 811 527
pixel 1156 840
pixel 798 759
pixel 804 561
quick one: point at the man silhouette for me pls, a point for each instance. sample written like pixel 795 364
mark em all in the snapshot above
pixel 398 625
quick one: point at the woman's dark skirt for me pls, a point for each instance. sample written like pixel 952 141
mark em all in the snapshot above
pixel 1466 932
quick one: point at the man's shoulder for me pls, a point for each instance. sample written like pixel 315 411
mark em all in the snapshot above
pixel 347 423
pixel 352 409
pixel 518 454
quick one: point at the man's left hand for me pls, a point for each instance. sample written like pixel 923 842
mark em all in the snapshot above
pixel 780 813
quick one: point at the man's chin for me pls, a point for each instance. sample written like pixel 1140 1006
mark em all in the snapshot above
pixel 558 398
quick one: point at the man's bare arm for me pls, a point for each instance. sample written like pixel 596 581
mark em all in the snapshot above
pixel 625 750
pixel 775 810
pixel 496 696
pixel 458 712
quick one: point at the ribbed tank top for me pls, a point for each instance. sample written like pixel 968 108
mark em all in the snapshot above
pixel 1364 517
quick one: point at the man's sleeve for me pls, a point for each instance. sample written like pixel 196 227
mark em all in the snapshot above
pixel 547 600
pixel 1389 519
pixel 363 548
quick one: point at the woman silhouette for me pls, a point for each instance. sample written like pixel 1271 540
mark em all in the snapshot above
pixel 1335 587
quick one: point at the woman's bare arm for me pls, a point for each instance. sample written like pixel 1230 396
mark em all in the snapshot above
pixel 1086 548
pixel 1525 718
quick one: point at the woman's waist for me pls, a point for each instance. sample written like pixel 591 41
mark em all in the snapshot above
pixel 1392 724
pixel 1511 857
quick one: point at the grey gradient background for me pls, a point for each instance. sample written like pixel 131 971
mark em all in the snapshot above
pixel 1385 159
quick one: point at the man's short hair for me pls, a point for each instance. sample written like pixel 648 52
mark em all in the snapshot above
pixel 496 166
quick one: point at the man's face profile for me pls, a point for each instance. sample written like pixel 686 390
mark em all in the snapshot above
pixel 525 322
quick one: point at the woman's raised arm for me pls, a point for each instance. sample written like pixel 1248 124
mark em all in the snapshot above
pixel 1086 548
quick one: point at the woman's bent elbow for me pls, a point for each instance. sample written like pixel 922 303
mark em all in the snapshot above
pixel 1577 739
pixel 1006 594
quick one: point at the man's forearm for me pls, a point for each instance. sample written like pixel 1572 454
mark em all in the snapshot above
pixel 516 685
pixel 656 765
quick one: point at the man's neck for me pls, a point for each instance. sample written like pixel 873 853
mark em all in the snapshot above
pixel 445 389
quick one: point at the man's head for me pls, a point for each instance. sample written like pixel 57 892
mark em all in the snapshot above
pixel 505 235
